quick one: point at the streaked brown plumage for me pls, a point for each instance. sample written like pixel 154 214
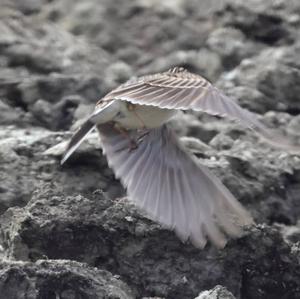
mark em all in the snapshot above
pixel 160 175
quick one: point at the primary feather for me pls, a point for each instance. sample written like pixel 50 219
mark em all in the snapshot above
pixel 77 139
pixel 166 181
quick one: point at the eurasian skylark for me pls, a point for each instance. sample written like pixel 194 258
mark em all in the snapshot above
pixel 160 175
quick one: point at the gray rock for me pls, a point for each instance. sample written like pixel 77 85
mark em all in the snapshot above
pixel 260 26
pixel 293 127
pixel 25 6
pixel 278 8
pixel 151 29
pixel 42 66
pixel 217 292
pixel 118 73
pixel 24 167
pixel 271 82
pixel 75 222
pixel 64 279
pixel 222 142
pixel 10 114
pixel 114 236
pixel 291 233
pixel 232 45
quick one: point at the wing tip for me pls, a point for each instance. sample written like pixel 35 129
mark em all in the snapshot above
pixel 63 159
pixel 69 151
pixel 76 140
pixel 280 141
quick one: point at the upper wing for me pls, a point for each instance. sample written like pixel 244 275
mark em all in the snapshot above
pixel 166 181
pixel 180 89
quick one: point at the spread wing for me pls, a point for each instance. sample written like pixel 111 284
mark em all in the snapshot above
pixel 180 89
pixel 166 181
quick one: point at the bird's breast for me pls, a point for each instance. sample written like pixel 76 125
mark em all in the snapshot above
pixel 144 116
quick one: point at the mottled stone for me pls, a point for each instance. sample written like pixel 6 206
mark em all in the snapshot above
pixel 217 292
pixel 64 279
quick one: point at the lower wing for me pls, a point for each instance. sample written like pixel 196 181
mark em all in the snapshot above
pixel 166 181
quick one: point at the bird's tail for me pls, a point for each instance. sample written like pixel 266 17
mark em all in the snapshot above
pixel 166 181
pixel 77 139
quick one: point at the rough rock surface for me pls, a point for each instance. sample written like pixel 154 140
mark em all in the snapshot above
pixel 217 292
pixel 112 235
pixel 24 167
pixel 64 279
pixel 57 58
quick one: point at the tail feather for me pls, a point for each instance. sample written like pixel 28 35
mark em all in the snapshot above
pixel 77 139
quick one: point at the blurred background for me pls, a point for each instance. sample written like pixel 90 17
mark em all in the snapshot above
pixel 57 59
pixel 58 56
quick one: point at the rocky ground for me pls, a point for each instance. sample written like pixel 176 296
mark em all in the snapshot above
pixel 69 232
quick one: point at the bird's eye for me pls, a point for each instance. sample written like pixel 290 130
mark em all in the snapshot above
pixel 119 114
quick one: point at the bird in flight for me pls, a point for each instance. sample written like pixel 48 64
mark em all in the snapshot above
pixel 161 176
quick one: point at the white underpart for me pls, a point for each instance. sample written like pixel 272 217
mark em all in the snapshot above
pixel 142 116
pixel 136 117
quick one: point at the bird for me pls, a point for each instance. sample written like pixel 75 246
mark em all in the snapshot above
pixel 161 176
